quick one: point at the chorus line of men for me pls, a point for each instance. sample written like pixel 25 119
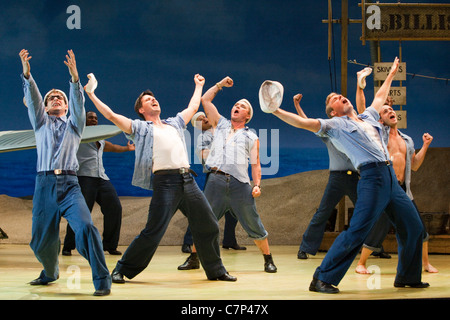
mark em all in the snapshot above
pixel 59 121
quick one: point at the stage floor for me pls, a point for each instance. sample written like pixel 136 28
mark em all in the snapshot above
pixel 162 281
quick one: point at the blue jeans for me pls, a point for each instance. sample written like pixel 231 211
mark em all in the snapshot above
pixel 226 193
pixel 378 190
pixel 103 192
pixel 170 193
pixel 339 184
pixel 56 197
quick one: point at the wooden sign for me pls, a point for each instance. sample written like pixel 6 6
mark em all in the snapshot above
pixel 401 118
pixel 381 71
pixel 398 95
pixel 405 21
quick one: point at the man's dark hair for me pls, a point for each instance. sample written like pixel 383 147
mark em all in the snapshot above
pixel 138 103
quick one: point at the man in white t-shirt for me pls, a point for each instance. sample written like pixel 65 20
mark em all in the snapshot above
pixel 162 165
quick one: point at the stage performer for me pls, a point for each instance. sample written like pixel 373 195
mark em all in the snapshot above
pixel 57 192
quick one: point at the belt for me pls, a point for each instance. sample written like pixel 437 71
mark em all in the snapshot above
pixel 385 163
pixel 176 171
pixel 348 172
pixel 220 172
pixel 57 172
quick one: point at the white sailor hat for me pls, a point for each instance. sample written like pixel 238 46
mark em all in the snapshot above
pixel 270 96
pixel 59 91
pixel 194 122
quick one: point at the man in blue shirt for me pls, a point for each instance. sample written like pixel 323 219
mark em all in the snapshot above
pixel 162 165
pixel 359 137
pixel 57 192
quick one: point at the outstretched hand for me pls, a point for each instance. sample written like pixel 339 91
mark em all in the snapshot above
pixel 71 63
pixel 25 58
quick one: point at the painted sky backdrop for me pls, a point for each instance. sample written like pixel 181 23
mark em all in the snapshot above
pixel 160 45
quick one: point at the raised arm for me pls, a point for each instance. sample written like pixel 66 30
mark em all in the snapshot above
pixel 76 96
pixel 418 157
pixel 360 97
pixel 383 92
pixel 123 123
pixel 297 98
pixel 72 65
pixel 210 109
pixel 25 58
pixel 298 121
pixel 32 97
pixel 192 108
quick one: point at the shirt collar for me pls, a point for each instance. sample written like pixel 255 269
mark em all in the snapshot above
pixel 62 118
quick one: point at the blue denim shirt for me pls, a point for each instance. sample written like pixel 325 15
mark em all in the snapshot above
pixel 142 136
pixel 231 156
pixel 57 139
pixel 204 141
pixel 349 138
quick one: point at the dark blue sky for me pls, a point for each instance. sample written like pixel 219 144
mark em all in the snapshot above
pixel 134 45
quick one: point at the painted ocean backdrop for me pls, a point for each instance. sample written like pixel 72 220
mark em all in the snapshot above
pixel 18 169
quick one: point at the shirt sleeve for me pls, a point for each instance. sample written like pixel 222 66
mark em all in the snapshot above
pixel 76 106
pixel 33 101
pixel 371 113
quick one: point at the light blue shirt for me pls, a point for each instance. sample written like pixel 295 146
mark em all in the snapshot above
pixel 338 160
pixel 90 159
pixel 57 139
pixel 349 138
pixel 204 141
pixel 231 156
pixel 142 136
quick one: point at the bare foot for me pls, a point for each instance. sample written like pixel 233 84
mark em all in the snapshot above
pixel 361 269
pixel 429 268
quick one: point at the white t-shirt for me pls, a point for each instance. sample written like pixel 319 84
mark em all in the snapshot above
pixel 168 149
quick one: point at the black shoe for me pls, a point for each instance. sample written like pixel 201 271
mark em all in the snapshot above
pixel 38 282
pixel 269 266
pixel 235 247
pixel 191 262
pixel 412 285
pixel 186 248
pixel 384 255
pixel 66 252
pixel 114 252
pixel 322 287
pixel 302 255
pixel 225 277
pixel 102 292
pixel 117 277
pixel 381 255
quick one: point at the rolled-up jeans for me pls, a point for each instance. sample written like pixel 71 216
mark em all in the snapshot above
pixel 170 193
pixel 226 193
pixel 57 196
